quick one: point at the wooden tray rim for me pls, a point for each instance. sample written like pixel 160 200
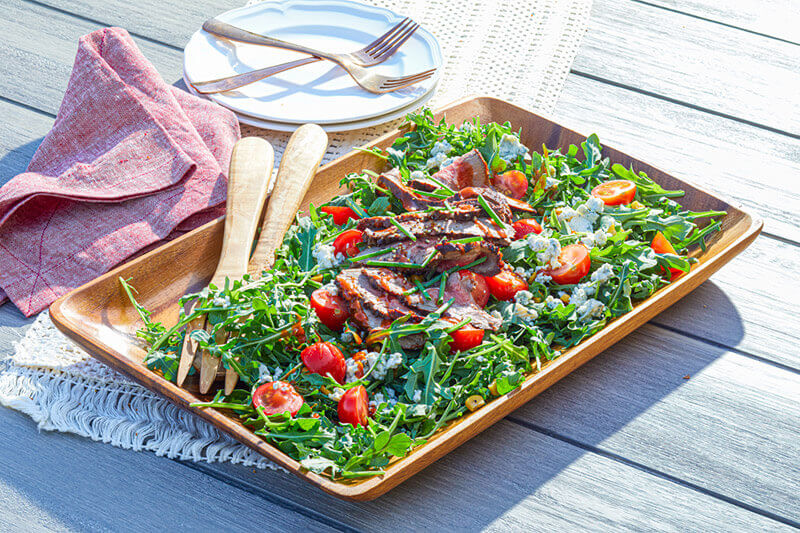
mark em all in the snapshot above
pixel 455 433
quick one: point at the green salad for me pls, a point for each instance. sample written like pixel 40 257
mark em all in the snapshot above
pixel 430 289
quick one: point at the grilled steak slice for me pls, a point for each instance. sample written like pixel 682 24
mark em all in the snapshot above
pixel 380 230
pixel 468 170
pixel 462 254
pixel 464 202
pixel 439 253
pixel 411 200
pixel 361 296
pixel 463 306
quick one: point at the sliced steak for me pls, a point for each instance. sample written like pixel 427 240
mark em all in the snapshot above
pixel 438 254
pixel 464 306
pixel 411 200
pixel 424 227
pixel 462 254
pixel 468 170
pixel 361 296
pixel 465 203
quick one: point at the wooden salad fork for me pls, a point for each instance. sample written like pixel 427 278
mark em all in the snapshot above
pixel 299 164
pixel 249 178
pixel 373 54
pixel 370 81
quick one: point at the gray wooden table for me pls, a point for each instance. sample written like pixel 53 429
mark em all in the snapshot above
pixel 692 423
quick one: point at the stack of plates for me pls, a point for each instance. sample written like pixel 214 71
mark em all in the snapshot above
pixel 320 92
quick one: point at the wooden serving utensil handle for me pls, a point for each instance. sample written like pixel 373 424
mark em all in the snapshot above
pixel 249 177
pixel 299 163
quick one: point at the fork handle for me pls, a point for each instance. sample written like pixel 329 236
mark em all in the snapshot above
pixel 240 80
pixel 248 181
pixel 299 163
pixel 222 29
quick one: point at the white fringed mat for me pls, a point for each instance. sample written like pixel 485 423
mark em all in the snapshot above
pixel 519 50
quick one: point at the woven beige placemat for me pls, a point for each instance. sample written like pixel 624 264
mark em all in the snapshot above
pixel 519 50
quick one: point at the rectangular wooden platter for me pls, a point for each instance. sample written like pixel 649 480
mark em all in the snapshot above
pixel 99 317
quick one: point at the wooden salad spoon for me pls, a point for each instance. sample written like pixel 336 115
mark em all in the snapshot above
pixel 299 164
pixel 249 178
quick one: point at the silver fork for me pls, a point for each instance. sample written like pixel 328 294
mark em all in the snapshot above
pixel 372 54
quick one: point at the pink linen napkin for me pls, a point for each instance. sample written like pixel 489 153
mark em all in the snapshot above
pixel 130 161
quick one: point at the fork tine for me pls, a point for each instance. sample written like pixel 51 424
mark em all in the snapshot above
pixel 386 35
pixel 388 48
pixel 389 88
pixel 412 77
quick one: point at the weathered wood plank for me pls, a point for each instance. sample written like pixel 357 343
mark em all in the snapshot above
pixel 755 167
pixel 719 420
pixel 38 50
pixel 514 479
pixel 705 64
pixel 54 481
pixel 617 116
pixel 730 430
pixel 684 58
pixel 751 304
pixel 21 131
pixel 777 18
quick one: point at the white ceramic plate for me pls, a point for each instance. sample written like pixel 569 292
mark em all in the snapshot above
pixel 330 128
pixel 321 92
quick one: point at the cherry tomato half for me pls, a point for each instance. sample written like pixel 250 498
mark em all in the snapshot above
pixel 347 242
pixel 512 183
pixel 277 397
pixel 466 337
pixel 661 245
pixel 506 284
pixel 476 285
pixel 340 213
pixel 615 192
pixel 575 264
pixel 324 358
pixel 354 406
pixel 331 310
pixel 524 226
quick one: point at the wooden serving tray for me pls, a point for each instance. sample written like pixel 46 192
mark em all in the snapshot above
pixel 99 317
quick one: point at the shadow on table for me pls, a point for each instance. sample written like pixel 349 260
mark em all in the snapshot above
pixel 502 468
pixel 16 161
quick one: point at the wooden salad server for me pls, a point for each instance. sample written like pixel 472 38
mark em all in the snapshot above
pixel 299 164
pixel 249 178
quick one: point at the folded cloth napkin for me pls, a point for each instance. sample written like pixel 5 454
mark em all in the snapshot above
pixel 130 161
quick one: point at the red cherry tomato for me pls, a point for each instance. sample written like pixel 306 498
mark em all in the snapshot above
pixel 615 192
pixel 347 242
pixel 354 406
pixel 466 337
pixel 524 226
pixel 331 310
pixel 277 397
pixel 512 183
pixel 506 284
pixel 476 285
pixel 575 264
pixel 340 213
pixel 324 358
pixel 661 245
